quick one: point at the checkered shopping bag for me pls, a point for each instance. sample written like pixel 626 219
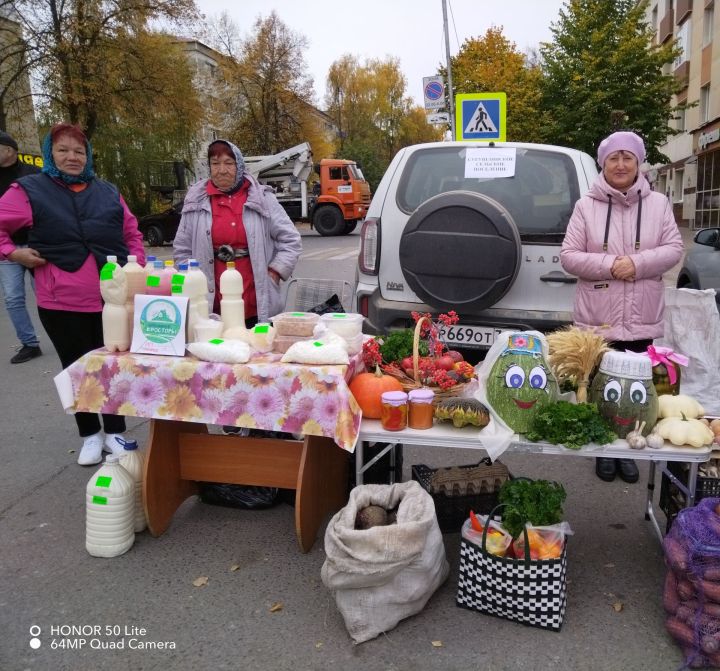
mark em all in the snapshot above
pixel 531 592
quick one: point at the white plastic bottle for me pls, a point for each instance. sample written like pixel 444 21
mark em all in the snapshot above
pixel 154 282
pixel 135 275
pixel 232 306
pixel 149 263
pixel 114 290
pixel 110 504
pixel 133 461
pixel 195 287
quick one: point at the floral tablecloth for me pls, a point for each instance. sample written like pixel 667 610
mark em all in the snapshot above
pixel 261 394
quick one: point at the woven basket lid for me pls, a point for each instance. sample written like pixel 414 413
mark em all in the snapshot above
pixel 627 364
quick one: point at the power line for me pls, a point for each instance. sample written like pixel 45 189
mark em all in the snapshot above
pixel 452 16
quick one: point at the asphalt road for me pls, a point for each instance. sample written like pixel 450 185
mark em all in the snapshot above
pixel 50 584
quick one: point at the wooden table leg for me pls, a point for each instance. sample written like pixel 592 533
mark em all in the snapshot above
pixel 163 488
pixel 322 483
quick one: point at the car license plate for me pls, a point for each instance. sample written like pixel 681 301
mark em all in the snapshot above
pixel 458 335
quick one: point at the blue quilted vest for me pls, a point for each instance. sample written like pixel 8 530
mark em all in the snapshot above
pixel 69 225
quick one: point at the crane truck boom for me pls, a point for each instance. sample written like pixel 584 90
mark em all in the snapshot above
pixel 333 206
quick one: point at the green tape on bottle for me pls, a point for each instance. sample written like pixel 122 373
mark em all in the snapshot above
pixel 339 315
pixel 100 500
pixel 178 279
pixel 297 314
pixel 216 341
pixel 103 481
pixel 262 328
pixel 318 344
pixel 176 289
pixel 153 281
pixel 107 271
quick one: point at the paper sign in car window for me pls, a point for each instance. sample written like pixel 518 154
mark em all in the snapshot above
pixel 490 162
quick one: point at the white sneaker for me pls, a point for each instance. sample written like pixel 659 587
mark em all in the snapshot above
pixel 91 452
pixel 115 443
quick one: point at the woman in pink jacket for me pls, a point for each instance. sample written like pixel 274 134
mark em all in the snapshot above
pixel 74 221
pixel 621 238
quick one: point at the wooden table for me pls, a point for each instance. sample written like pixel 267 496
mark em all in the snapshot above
pixel 181 454
pixel 181 395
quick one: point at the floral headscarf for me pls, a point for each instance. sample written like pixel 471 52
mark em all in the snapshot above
pixel 49 167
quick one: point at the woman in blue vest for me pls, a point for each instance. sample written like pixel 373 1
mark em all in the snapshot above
pixel 74 221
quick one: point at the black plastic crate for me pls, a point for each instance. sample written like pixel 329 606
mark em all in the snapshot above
pixel 672 498
pixel 456 490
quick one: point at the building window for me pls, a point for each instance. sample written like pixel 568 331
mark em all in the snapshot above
pixel 705 104
pixel 707 198
pixel 683 42
pixel 680 119
pixel 678 186
pixel 708 19
pixel 653 20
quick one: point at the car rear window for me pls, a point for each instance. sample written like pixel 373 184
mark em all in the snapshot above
pixel 540 196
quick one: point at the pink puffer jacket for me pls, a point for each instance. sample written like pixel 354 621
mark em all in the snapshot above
pixel 617 309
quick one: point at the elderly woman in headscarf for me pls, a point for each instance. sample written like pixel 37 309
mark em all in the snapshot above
pixel 232 217
pixel 621 238
pixel 74 221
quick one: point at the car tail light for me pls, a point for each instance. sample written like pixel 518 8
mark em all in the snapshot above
pixel 363 305
pixel 369 258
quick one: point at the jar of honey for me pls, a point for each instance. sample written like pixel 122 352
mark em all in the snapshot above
pixel 393 410
pixel 420 408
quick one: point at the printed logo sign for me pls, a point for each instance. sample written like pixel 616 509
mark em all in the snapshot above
pixel 159 326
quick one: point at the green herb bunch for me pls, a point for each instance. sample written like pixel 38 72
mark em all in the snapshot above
pixel 397 345
pixel 536 501
pixel 570 424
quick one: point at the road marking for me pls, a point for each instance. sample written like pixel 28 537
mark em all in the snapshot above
pixel 331 254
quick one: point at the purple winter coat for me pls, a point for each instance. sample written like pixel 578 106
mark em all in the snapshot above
pixel 618 309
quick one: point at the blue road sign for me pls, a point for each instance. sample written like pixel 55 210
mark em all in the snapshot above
pixel 434 91
pixel 480 116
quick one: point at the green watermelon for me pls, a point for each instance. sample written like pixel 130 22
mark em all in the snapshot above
pixel 521 382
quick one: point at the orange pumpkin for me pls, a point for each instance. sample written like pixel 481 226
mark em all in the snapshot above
pixel 367 389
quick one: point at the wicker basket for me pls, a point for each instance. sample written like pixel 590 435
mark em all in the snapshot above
pixel 409 383
pixel 457 490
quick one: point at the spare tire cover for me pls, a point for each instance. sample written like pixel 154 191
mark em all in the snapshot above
pixel 460 250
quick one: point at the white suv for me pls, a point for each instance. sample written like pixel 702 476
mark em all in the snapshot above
pixel 487 247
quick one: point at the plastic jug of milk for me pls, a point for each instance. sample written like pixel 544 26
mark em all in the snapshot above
pixel 154 282
pixel 149 263
pixel 133 461
pixel 195 287
pixel 135 275
pixel 114 290
pixel 110 504
pixel 232 306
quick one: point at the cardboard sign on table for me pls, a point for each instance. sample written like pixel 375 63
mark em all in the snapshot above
pixel 159 325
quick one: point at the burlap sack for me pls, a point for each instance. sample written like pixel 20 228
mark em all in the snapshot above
pixel 384 574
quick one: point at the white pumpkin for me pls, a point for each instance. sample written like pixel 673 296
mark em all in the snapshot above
pixel 682 431
pixel 679 406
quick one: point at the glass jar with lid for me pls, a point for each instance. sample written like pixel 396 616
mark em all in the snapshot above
pixel 393 410
pixel 420 408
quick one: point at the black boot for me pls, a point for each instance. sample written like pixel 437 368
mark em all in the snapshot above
pixel 628 470
pixel 605 468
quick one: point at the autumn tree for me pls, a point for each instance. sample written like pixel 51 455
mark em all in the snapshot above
pixel 372 112
pixel 269 92
pixel 492 63
pixel 603 58
pixel 98 64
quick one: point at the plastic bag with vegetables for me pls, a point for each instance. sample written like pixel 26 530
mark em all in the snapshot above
pixel 498 539
pixel 545 542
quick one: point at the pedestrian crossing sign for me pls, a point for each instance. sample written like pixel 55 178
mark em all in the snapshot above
pixel 480 116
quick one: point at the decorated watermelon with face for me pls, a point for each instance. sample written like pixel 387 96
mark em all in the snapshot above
pixel 624 392
pixel 521 381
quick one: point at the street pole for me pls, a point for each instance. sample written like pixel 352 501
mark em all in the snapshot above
pixel 451 99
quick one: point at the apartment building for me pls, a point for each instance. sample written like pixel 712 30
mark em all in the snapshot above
pixel 18 110
pixel 692 178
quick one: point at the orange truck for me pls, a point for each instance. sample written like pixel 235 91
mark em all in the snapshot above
pixel 333 205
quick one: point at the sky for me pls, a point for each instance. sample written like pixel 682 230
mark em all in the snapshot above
pixel 410 30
